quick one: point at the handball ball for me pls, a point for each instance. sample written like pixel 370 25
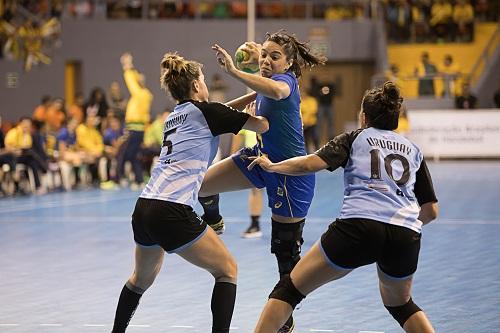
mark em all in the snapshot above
pixel 243 56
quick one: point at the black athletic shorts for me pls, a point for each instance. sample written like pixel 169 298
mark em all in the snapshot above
pixel 171 225
pixel 352 243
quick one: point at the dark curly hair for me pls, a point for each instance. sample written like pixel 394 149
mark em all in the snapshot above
pixel 382 106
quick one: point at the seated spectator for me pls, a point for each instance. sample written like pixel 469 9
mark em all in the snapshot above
pixel 75 111
pixel 463 19
pixel 466 100
pixel 441 19
pixel 70 159
pixel 55 115
pixel 116 101
pixel 89 141
pixel 19 141
pixel 420 22
pixel 398 17
pixel 153 140
pixel 7 166
pixel 97 106
pixel 41 110
pixel 113 138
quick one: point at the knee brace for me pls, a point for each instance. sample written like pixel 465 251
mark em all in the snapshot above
pixel 403 312
pixel 285 291
pixel 210 206
pixel 286 242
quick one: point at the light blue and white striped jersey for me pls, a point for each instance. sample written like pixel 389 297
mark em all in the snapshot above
pixel 385 176
pixel 190 141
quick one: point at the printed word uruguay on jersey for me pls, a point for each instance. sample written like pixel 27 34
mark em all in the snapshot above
pixel 190 143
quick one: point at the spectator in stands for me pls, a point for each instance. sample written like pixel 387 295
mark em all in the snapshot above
pixel 441 19
pixel 55 115
pixel 41 110
pixel 153 140
pixel 20 142
pixel 70 158
pixel 425 71
pixel 89 142
pixel 309 114
pixel 76 109
pixel 7 166
pixel 420 22
pixel 97 106
pixel 399 18
pixel 324 93
pixel 136 118
pixel 466 100
pixel 113 138
pixel 450 71
pixel 463 19
pixel 116 101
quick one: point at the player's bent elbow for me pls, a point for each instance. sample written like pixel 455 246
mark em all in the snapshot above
pixel 429 212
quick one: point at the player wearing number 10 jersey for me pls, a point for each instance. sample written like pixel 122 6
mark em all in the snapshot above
pixel 388 196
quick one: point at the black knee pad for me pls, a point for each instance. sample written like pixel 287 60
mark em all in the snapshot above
pixel 403 312
pixel 286 242
pixel 285 291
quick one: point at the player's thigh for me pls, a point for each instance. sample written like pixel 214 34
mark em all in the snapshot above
pixel 210 253
pixel 314 270
pixel 394 291
pixel 224 176
pixel 148 261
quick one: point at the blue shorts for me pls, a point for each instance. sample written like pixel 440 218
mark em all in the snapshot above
pixel 288 196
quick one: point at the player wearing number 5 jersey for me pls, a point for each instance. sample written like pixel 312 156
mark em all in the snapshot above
pixel 388 197
pixel 163 218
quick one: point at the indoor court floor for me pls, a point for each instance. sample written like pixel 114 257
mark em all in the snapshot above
pixel 64 258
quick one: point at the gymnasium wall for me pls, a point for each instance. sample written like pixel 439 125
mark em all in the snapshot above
pixel 98 44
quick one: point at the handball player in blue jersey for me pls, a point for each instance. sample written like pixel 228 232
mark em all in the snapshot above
pixel 388 197
pixel 280 58
pixel 163 218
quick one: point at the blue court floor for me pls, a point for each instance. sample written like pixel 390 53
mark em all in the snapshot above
pixel 64 258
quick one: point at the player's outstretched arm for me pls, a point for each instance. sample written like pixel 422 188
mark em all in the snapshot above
pixel 296 166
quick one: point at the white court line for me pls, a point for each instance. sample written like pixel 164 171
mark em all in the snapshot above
pixel 51 325
pixel 94 325
pixel 371 331
pixel 181 326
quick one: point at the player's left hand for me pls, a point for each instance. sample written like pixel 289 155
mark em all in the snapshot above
pixel 264 162
pixel 250 108
pixel 224 59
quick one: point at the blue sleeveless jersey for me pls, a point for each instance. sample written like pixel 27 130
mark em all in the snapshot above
pixel 190 143
pixel 285 138
pixel 381 169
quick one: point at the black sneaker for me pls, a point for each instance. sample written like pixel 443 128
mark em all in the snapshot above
pixel 252 232
pixel 288 327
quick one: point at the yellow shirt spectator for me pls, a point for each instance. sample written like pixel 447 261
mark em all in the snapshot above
pixel 309 110
pixel 89 139
pixel 18 138
pixel 440 13
pixel 463 13
pixel 139 104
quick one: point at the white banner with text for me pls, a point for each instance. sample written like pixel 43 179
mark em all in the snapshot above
pixel 456 133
